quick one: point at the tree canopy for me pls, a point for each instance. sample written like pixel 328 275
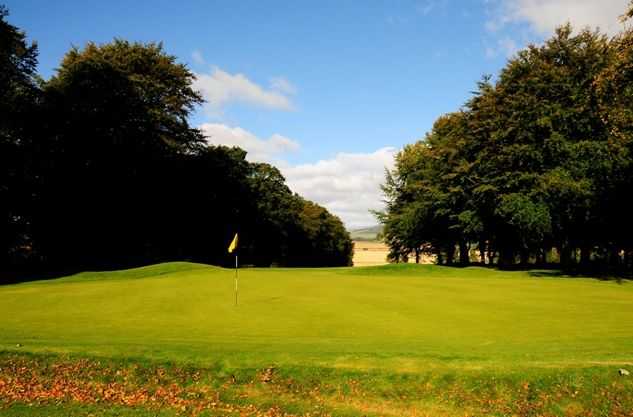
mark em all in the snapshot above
pixel 101 169
pixel 19 92
pixel 536 160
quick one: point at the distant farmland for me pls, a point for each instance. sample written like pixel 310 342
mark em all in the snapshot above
pixel 373 253
pixel 368 253
pixel 368 249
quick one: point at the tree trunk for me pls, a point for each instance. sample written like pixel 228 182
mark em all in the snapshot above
pixel 491 255
pixel 565 255
pixel 450 254
pixel 464 255
pixel 614 258
pixel 417 255
pixel 585 257
pixel 440 258
pixel 544 256
pixel 482 252
pixel 628 258
pixel 506 257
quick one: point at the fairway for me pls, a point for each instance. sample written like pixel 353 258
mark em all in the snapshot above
pixel 400 317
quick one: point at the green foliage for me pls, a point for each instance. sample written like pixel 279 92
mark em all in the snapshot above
pixel 290 230
pixel 143 94
pixel 629 12
pixel 112 174
pixel 18 97
pixel 325 239
pixel 529 222
pixel 538 159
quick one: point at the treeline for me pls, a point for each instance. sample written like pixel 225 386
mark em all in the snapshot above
pixel 99 168
pixel 536 168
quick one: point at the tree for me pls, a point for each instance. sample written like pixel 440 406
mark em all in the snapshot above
pixel 549 126
pixel 113 175
pixel 614 88
pixel 427 205
pixel 540 158
pixel 629 12
pixel 323 239
pixel 116 118
pixel 18 96
pixel 277 222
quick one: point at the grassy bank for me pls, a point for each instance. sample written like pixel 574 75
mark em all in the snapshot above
pixel 34 385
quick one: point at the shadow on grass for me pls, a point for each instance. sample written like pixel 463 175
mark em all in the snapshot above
pixel 555 271
pixel 546 273
pixel 18 277
pixel 45 273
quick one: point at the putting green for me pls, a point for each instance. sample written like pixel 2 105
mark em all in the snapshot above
pixel 401 317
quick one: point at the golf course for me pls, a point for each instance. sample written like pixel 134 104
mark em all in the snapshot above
pixel 386 340
pixel 316 209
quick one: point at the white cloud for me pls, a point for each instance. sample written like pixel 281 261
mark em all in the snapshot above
pixel 282 85
pixel 491 52
pixel 220 88
pixel 348 185
pixel 544 16
pixel 197 57
pixel 259 150
pixel 505 46
pixel 426 7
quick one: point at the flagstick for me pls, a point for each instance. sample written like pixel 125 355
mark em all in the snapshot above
pixel 236 280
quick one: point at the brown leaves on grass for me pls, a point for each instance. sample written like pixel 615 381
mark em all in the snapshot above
pixel 88 382
pixel 266 375
pixel 33 380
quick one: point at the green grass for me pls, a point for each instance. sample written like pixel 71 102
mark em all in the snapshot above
pixel 400 317
pixel 399 326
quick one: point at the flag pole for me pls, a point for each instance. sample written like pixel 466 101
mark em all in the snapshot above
pixel 236 279
pixel 233 249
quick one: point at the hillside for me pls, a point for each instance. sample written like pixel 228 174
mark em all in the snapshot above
pixel 366 233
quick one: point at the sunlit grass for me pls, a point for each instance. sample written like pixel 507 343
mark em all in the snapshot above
pixel 395 316
pixel 388 340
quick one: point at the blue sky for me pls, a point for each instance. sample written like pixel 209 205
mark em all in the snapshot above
pixel 326 90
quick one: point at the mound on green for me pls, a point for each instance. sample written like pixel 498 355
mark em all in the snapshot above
pixel 399 326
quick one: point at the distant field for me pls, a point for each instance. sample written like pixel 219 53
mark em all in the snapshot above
pixel 388 340
pixel 368 253
pixel 374 253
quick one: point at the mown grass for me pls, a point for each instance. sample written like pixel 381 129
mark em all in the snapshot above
pixel 388 340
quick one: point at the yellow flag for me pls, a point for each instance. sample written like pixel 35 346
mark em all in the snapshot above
pixel 233 244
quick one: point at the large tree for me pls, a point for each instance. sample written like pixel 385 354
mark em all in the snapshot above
pixel 540 158
pixel 115 120
pixel 100 168
pixel 18 96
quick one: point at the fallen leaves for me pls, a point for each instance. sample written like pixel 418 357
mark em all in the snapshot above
pixel 269 392
pixel 266 375
pixel 24 381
